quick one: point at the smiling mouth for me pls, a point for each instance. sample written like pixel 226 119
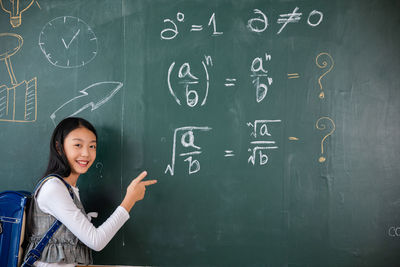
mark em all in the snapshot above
pixel 83 163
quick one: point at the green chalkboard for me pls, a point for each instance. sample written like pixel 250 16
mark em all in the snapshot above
pixel 272 126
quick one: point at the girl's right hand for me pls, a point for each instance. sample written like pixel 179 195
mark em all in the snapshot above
pixel 135 191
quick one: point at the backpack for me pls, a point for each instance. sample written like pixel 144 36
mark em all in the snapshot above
pixel 12 226
pixel 14 211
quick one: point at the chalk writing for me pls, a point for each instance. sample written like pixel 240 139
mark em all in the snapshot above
pixel 289 18
pixel 293 75
pixel 188 83
pixel 230 82
pixel 258 71
pixel 187 141
pixel 260 131
pixel 171 33
pixel 394 231
pixel 315 13
pixel 229 153
pixel 214 25
pixel 171 30
pixel 260 22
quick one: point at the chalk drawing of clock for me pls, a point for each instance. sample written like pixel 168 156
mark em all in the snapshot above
pixel 68 42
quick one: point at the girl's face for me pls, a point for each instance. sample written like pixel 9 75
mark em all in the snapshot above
pixel 80 149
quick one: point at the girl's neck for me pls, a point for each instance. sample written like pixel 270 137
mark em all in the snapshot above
pixel 72 179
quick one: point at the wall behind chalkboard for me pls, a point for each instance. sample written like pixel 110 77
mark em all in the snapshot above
pixel 270 125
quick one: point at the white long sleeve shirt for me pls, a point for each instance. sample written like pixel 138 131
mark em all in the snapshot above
pixel 54 199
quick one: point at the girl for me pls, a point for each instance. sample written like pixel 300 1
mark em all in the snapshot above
pixel 72 152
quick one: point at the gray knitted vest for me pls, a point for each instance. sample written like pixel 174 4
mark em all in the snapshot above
pixel 63 247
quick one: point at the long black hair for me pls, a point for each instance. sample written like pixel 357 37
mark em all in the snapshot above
pixel 58 163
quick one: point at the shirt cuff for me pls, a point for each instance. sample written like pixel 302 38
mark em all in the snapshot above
pixel 123 212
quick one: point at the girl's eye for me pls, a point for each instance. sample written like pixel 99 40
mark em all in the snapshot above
pixel 93 147
pixel 78 145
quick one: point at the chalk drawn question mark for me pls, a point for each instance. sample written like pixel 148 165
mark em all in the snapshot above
pixel 323 66
pixel 100 166
pixel 322 126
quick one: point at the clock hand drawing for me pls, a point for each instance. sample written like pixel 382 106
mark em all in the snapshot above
pixel 73 38
pixel 78 45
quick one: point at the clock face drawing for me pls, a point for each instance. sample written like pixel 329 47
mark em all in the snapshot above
pixel 68 42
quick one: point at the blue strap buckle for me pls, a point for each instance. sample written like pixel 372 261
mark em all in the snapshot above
pixel 34 253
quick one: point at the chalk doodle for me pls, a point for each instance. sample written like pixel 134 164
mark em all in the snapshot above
pixel 187 140
pixel 68 42
pixel 18 100
pixel 100 166
pixel 186 80
pixel 15 8
pixel 93 97
pixel 324 65
pixel 320 125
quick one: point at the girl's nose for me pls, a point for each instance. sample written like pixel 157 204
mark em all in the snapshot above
pixel 85 151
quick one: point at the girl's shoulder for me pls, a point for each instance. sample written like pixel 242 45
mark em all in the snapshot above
pixel 52 184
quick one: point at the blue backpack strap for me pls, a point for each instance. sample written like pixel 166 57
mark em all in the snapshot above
pixel 36 253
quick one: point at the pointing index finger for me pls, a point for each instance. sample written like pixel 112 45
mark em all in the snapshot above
pixel 141 176
pixel 149 182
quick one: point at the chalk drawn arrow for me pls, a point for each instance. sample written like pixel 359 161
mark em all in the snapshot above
pixel 93 96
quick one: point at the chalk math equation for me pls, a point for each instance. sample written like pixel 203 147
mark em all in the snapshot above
pixel 258 23
pixel 189 83
pixel 187 148
pixel 192 88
